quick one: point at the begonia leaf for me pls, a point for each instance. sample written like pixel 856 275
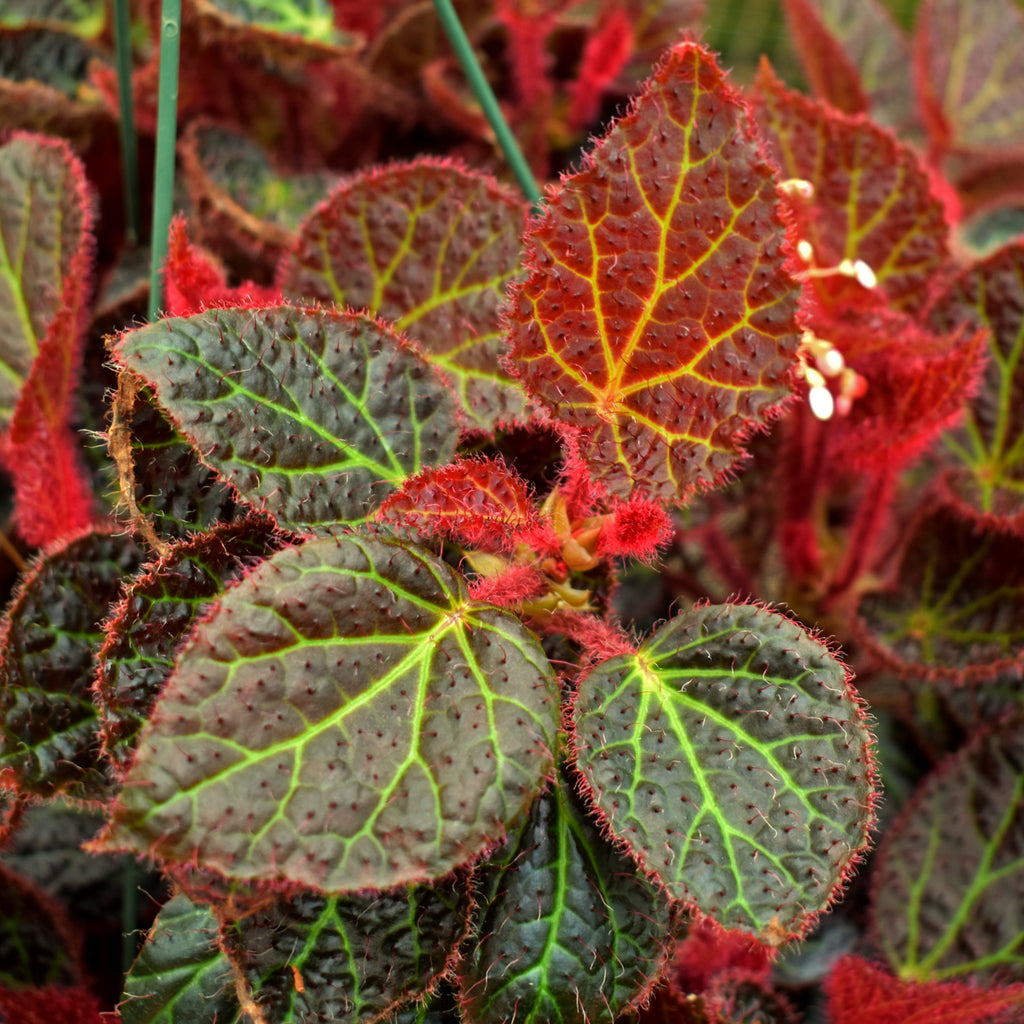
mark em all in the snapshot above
pixel 344 719
pixel 48 731
pixel 955 607
pixel 157 612
pixel 859 992
pixel 45 265
pixel 988 451
pixel 731 756
pixel 429 246
pixel 856 57
pixel 946 887
pixel 397 944
pixel 180 975
pixel 480 502
pixel 570 930
pixel 872 197
pixel 969 73
pixel 312 415
pixel 658 317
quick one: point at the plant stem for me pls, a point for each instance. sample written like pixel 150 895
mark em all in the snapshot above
pixel 129 143
pixel 166 138
pixel 487 100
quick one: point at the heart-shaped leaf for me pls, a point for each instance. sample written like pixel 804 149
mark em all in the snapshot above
pixel 310 414
pixel 345 719
pixel 429 246
pixel 730 755
pixel 569 930
pixel 658 316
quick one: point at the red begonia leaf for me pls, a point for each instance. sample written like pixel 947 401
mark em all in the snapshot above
pixel 946 886
pixel 855 57
pixel 69 1005
pixel 46 256
pixel 194 281
pixel 872 201
pixel 955 609
pixel 987 453
pixel 605 54
pixel 969 69
pixel 636 529
pixel 429 246
pixel 861 993
pixel 658 317
pixel 917 384
pixel 479 502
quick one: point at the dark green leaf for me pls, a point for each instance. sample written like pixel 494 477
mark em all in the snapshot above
pixel 570 931
pixel 947 888
pixel 180 975
pixel 347 959
pixel 48 733
pixel 345 719
pixel 732 758
pixel 311 414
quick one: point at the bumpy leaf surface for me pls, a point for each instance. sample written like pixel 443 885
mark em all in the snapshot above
pixel 429 246
pixel 988 451
pixel 345 719
pixel 347 959
pixel 478 501
pixel 181 976
pixel 570 931
pixel 969 72
pixel 307 19
pixel 658 316
pixel 946 890
pixel 310 414
pixel 731 756
pixel 872 198
pixel 48 723
pixel 156 614
pixel 956 607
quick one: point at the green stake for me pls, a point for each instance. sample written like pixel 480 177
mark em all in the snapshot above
pixel 487 100
pixel 166 138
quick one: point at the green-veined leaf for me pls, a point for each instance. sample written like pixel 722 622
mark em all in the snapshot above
pixel 310 414
pixel 345 719
pixel 431 247
pixel 946 889
pixel 731 756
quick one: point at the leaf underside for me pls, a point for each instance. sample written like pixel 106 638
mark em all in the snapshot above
pixel 311 415
pixel 429 247
pixel 731 757
pixel 946 889
pixel 345 719
pixel 658 316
